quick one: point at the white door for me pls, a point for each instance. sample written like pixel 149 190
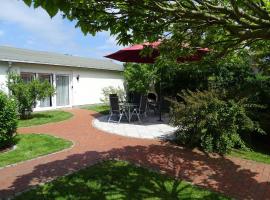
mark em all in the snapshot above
pixel 62 90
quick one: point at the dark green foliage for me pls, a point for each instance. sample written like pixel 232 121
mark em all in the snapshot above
pixel 27 94
pixel 140 77
pixel 8 120
pixel 258 87
pixel 176 78
pixel 220 25
pixel 205 119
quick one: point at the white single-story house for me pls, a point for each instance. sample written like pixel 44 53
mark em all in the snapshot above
pixel 78 81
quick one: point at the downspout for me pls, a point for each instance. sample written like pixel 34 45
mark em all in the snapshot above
pixel 9 66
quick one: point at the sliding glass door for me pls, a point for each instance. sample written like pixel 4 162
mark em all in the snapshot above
pixel 62 90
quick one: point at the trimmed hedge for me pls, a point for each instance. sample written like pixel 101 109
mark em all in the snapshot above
pixel 8 121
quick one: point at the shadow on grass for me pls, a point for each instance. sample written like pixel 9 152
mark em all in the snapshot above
pixel 219 173
pixel 118 180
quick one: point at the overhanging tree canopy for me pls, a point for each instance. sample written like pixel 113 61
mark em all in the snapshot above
pixel 222 25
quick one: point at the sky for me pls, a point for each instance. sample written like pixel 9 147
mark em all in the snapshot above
pixel 29 28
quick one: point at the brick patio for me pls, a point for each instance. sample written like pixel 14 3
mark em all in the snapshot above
pixel 235 177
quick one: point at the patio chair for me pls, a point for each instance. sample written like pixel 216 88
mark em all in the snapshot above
pixel 152 102
pixel 141 110
pixel 136 98
pixel 115 109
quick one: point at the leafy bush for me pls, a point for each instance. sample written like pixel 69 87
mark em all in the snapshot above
pixel 112 90
pixel 27 94
pixel 139 77
pixel 8 119
pixel 206 120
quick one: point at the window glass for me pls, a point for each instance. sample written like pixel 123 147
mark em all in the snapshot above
pixel 27 76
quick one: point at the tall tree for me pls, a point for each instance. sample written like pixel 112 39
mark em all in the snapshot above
pixel 222 25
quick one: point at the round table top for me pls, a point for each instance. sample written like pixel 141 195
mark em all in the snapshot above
pixel 128 104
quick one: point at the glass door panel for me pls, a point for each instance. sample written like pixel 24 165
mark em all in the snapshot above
pixel 62 90
pixel 48 101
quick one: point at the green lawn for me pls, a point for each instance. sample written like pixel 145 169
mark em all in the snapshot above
pixel 102 109
pixel 260 145
pixel 118 180
pixel 39 118
pixel 31 146
pixel 252 155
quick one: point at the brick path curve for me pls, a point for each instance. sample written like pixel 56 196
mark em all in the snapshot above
pixel 235 177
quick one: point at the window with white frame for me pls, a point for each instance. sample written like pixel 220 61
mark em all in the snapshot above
pixel 27 76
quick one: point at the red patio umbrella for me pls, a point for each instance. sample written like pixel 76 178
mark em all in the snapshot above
pixel 133 54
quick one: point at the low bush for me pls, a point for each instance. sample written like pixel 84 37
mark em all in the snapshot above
pixel 8 119
pixel 112 90
pixel 206 120
pixel 27 94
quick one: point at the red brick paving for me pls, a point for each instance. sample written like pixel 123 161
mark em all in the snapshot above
pixel 235 177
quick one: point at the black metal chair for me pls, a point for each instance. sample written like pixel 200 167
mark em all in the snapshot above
pixel 152 102
pixel 141 110
pixel 137 98
pixel 115 109
pixel 134 97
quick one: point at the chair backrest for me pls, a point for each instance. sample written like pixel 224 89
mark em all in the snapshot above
pixel 129 97
pixel 114 103
pixel 136 98
pixel 112 95
pixel 143 103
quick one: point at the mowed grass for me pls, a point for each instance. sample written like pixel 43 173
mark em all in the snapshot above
pixel 30 146
pixel 251 155
pixel 118 180
pixel 260 146
pixel 102 109
pixel 39 118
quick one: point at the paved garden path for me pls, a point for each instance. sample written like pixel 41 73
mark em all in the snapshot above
pixel 235 177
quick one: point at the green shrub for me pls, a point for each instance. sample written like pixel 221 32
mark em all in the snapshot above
pixel 139 77
pixel 206 120
pixel 27 94
pixel 8 119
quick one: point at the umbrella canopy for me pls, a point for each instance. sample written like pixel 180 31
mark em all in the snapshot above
pixel 133 54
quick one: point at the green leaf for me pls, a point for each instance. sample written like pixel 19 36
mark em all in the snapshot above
pixel 51 8
pixel 28 2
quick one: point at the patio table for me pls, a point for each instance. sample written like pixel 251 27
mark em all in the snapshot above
pixel 128 107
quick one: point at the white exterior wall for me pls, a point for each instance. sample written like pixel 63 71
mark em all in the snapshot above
pixel 3 76
pixel 86 90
